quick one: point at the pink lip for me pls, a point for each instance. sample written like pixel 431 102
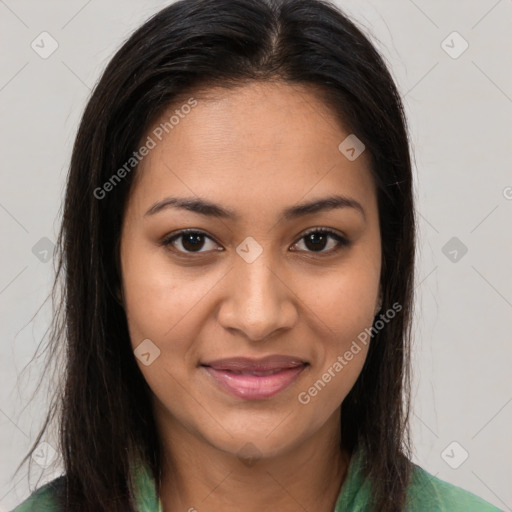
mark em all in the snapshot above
pixel 255 379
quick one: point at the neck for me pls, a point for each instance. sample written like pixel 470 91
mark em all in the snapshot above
pixel 198 476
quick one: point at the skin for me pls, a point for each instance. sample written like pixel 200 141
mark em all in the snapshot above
pixel 256 149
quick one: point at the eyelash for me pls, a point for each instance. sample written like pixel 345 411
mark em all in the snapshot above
pixel 342 241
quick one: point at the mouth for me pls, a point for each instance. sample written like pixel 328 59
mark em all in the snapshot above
pixel 255 379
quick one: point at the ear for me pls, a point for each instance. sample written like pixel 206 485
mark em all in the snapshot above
pixel 378 304
pixel 118 288
pixel 119 295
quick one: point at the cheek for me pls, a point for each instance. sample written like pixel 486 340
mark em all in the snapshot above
pixel 345 300
pixel 158 300
pixel 160 307
pixel 346 306
pixel 344 345
pixel 346 310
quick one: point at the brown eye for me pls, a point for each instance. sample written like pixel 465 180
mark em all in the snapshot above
pixel 189 241
pixel 317 240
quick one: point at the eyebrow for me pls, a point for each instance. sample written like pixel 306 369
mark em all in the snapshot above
pixel 209 209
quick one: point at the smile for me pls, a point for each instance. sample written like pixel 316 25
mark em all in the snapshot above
pixel 254 380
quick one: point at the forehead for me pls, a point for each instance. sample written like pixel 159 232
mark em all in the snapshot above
pixel 270 140
pixel 267 116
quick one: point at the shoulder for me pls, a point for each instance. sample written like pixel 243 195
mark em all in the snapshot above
pixel 43 499
pixel 426 492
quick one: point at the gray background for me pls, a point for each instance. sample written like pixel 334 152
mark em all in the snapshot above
pixel 459 112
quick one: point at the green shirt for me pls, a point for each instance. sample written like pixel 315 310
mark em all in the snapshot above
pixel 426 493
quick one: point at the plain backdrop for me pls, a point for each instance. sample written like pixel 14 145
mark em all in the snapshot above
pixel 459 105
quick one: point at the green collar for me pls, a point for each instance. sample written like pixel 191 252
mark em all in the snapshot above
pixel 355 491
pixel 146 498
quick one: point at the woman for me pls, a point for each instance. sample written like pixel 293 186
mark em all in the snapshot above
pixel 238 254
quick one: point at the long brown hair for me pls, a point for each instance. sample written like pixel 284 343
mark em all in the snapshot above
pixel 103 406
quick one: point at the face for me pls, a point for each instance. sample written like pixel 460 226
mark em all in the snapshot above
pixel 239 325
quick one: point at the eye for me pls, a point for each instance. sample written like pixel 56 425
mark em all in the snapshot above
pixel 316 240
pixel 189 241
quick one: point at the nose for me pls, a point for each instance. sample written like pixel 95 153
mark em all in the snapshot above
pixel 259 300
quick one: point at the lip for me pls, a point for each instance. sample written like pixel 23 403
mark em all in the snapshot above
pixel 255 379
pixel 268 363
